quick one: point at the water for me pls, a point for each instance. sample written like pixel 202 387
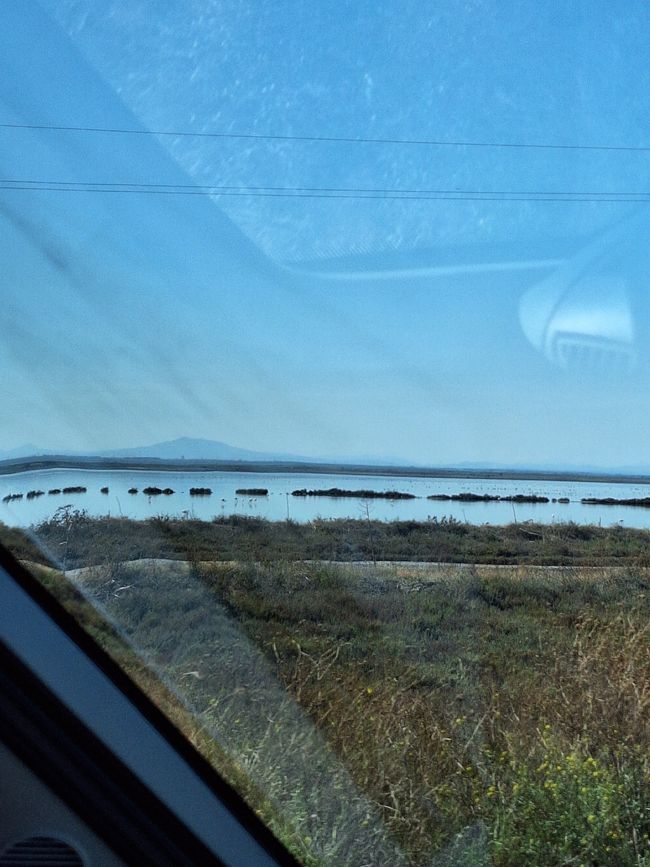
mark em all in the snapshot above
pixel 279 504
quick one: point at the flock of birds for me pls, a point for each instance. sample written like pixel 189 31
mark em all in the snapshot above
pixel 148 491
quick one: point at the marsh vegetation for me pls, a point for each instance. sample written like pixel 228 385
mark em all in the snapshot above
pixel 476 716
pixel 391 712
pixel 643 502
pixel 355 495
pixel 236 537
pixel 492 498
pixel 8 498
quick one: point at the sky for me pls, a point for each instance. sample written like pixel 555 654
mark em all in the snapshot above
pixel 388 324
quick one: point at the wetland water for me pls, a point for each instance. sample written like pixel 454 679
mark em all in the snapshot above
pixel 280 504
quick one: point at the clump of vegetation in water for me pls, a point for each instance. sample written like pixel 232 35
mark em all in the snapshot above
pixel 200 492
pixel 10 497
pixel 253 492
pixel 75 489
pixel 54 491
pixel 360 495
pixel 31 495
pixel 154 491
pixel 133 490
pixel 104 490
pixel 490 498
pixel 644 502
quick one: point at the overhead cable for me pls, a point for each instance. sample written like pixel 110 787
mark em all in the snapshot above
pixel 318 193
pixel 569 146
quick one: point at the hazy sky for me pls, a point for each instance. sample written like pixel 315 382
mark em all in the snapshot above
pixel 433 331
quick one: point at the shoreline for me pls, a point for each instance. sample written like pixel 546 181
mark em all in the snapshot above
pixel 55 462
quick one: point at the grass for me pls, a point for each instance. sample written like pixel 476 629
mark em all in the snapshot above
pixel 393 714
pixel 97 540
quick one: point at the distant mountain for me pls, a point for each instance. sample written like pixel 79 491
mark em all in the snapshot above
pixel 26 451
pixel 197 449
pixel 189 448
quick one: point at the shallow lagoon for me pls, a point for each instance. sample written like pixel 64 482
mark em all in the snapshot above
pixel 279 504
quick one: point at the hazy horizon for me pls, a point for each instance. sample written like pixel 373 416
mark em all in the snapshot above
pixel 28 450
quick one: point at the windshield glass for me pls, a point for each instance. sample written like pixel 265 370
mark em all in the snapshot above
pixel 325 378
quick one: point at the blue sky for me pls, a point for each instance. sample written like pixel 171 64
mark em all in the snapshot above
pixel 432 331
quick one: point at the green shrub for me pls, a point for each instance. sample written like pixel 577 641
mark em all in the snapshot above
pixel 564 806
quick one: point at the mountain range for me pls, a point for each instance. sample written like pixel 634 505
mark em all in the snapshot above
pixel 189 448
pixel 183 448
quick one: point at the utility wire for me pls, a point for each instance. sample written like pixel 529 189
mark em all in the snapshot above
pixel 243 188
pixel 315 195
pixel 331 139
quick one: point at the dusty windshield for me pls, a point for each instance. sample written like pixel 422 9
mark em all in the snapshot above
pixel 324 360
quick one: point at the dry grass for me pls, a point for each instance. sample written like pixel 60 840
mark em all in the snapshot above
pixel 397 715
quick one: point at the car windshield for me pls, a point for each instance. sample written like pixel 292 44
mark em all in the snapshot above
pixel 325 387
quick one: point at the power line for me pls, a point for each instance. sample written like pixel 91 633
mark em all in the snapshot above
pixel 456 197
pixel 330 139
pixel 244 188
